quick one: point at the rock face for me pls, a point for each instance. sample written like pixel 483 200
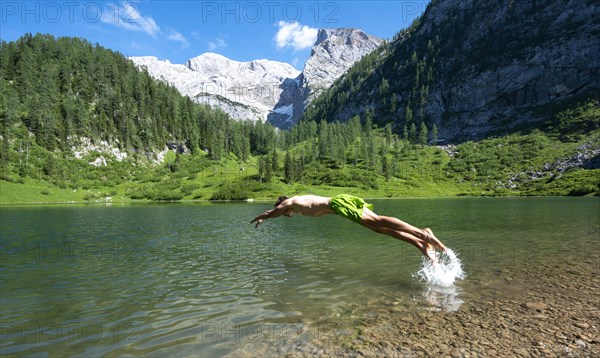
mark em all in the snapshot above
pixel 476 68
pixel 262 89
pixel 245 90
pixel 334 52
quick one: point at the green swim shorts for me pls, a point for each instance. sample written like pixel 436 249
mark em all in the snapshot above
pixel 349 206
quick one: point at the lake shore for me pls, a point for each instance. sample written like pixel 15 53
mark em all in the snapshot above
pixel 254 200
pixel 551 310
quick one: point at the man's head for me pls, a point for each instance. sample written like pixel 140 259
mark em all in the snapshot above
pixel 288 212
pixel 280 200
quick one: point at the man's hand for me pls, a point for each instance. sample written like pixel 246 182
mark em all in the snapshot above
pixel 260 218
pixel 258 222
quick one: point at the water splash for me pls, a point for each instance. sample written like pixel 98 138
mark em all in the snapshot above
pixel 444 273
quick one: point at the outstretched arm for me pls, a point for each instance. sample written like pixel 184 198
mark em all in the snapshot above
pixel 273 213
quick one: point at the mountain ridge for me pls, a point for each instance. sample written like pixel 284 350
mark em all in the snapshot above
pixel 245 90
pixel 474 69
pixel 263 89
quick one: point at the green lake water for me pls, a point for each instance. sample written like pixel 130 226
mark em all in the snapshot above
pixel 199 280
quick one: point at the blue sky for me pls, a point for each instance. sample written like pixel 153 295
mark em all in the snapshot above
pixel 179 30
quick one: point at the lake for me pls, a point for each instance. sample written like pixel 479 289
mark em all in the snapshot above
pixel 196 279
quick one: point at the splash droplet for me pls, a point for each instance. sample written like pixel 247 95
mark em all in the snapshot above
pixel 444 273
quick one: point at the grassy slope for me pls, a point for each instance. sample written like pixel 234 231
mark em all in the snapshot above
pixel 481 168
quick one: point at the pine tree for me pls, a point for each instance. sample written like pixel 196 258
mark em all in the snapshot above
pixel 368 127
pixel 289 168
pixel 405 136
pixel 339 149
pixel 300 164
pixel 261 168
pixel 384 88
pixel 412 134
pixel 393 164
pixel 274 162
pixel 413 58
pixel 372 153
pixel 385 168
pixel 423 134
pixel 268 170
pixel 324 145
pixel 245 148
pixel 408 114
pixel 265 172
pixel 354 128
pixel 385 165
pixel 434 134
pixel 383 150
pixel 393 104
pixel 388 135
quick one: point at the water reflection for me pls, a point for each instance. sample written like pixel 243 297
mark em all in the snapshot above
pixel 439 298
pixel 441 292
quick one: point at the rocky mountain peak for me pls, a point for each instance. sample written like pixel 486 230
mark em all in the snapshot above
pixel 352 37
pixel 264 89
pixel 333 53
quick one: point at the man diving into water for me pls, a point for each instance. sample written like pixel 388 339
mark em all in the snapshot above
pixel 357 210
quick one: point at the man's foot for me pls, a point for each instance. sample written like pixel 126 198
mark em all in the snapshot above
pixel 430 253
pixel 432 240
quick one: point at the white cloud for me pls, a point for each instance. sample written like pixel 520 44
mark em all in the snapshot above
pixel 218 42
pixel 127 16
pixel 295 35
pixel 176 36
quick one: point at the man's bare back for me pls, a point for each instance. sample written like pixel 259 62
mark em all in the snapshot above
pixel 308 205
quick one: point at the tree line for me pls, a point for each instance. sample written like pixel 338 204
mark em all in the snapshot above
pixel 358 143
pixel 62 89
pixel 59 90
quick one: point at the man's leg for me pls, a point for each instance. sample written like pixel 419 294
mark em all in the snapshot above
pixel 423 246
pixel 434 240
pixel 398 225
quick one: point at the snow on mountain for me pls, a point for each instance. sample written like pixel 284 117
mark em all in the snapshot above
pixel 262 89
pixel 245 90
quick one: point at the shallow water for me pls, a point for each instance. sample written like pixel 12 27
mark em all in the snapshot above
pixel 199 280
